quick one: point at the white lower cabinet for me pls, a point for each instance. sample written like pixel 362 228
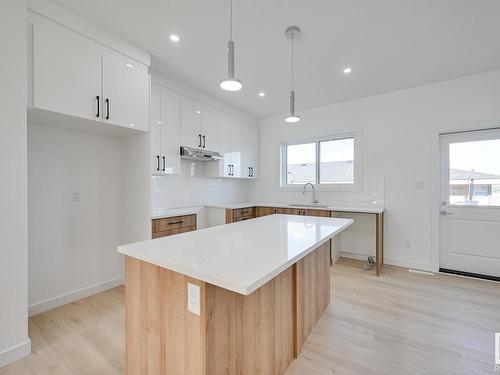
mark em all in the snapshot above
pixel 165 131
pixel 76 76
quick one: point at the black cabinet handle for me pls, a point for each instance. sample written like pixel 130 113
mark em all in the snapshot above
pixel 204 144
pixel 176 222
pixel 163 163
pixel 232 170
pixel 157 162
pixel 199 135
pixel 98 114
pixel 248 171
pixel 107 108
pixel 251 168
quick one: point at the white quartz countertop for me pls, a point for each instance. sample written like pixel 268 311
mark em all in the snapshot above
pixel 159 213
pixel 360 208
pixel 241 256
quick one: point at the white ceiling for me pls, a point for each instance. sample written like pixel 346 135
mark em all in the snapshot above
pixel 390 44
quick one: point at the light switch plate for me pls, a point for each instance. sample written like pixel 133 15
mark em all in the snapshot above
pixel 193 298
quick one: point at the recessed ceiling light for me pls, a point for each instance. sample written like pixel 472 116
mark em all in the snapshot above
pixel 262 94
pixel 198 112
pixel 174 38
pixel 347 70
pixel 132 125
pixel 129 65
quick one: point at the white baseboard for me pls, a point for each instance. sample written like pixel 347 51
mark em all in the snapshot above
pixel 15 353
pixel 405 264
pixel 52 303
pixel 346 254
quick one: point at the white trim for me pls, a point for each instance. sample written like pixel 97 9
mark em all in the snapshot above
pixel 436 172
pixel 52 303
pixel 357 256
pixel 409 264
pixel 15 353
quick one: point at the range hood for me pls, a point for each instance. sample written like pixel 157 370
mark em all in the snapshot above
pixel 199 154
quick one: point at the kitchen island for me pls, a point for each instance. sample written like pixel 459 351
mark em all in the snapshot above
pixel 233 299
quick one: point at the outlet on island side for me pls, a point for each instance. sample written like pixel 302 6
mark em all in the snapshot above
pixel 193 298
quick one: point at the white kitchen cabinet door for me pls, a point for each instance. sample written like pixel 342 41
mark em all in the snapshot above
pixel 170 134
pixel 245 150
pixel 236 151
pixel 125 89
pixel 210 129
pixel 66 71
pixel 156 129
pixel 191 112
pixel 254 151
pixel 225 146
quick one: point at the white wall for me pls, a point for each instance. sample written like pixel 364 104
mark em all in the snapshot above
pixel 14 340
pixel 72 240
pixel 399 143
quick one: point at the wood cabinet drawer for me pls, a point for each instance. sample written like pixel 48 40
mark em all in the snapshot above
pixel 172 232
pixel 248 212
pixel 177 222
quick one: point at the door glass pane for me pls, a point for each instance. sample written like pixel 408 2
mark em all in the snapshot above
pixel 336 161
pixel 301 163
pixel 474 174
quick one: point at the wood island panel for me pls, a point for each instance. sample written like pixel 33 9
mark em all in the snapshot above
pixel 234 334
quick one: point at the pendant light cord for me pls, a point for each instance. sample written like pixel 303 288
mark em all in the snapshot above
pixel 230 19
pixel 292 59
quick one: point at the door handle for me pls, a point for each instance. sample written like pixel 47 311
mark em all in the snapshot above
pixel 163 163
pixel 107 108
pixel 249 173
pixel 98 114
pixel 204 144
pixel 445 213
pixel 199 144
pixel 232 170
pixel 251 168
pixel 157 162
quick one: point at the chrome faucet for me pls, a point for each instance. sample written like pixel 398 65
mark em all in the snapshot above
pixel 314 201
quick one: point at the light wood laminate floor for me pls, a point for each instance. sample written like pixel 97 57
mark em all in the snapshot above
pixel 399 323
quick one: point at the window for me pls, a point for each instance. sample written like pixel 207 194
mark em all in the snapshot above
pixel 474 173
pixel 329 161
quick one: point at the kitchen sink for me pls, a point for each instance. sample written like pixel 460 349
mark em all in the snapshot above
pixel 308 205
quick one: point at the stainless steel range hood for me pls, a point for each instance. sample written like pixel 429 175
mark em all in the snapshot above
pixel 199 154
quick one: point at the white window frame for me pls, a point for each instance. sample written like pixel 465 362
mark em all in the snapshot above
pixel 356 186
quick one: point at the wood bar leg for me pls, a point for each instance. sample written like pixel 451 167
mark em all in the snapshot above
pixel 379 257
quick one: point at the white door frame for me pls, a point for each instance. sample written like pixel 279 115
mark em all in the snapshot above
pixel 435 180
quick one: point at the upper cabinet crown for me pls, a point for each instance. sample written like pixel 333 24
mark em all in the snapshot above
pixel 76 76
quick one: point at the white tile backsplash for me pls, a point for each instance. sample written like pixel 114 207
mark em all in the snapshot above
pixel 193 188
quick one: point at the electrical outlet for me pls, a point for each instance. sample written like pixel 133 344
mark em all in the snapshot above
pixel 75 196
pixel 193 298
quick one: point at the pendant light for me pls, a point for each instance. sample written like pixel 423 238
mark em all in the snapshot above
pixel 230 83
pixel 293 32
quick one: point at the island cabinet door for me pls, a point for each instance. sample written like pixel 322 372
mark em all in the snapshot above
pixel 264 211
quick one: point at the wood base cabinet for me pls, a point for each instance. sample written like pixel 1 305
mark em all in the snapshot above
pixel 234 334
pixel 173 225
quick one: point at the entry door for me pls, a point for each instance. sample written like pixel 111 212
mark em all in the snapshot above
pixel 470 202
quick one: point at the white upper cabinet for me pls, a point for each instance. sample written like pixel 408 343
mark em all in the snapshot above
pixel 210 128
pixel 165 131
pixel 170 140
pixel 191 133
pixel 199 125
pixel 66 71
pixel 74 75
pixel 125 91
pixel 230 147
